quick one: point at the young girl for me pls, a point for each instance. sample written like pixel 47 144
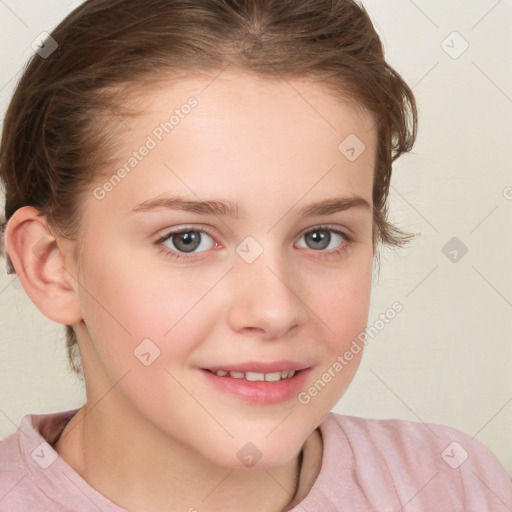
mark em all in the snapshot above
pixel 197 190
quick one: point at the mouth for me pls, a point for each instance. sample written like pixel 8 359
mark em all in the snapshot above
pixel 256 376
pixel 255 385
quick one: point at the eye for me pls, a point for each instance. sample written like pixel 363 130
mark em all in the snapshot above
pixel 187 241
pixel 324 239
pixel 183 243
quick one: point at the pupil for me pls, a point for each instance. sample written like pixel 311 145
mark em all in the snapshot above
pixel 319 239
pixel 187 242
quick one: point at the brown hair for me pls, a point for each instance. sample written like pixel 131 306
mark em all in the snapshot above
pixel 55 140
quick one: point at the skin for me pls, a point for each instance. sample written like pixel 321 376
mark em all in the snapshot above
pixel 159 437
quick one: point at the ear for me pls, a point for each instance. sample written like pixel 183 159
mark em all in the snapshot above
pixel 39 260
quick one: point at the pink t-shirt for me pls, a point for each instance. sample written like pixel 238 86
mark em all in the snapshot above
pixel 367 465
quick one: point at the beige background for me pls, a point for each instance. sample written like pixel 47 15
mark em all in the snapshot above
pixel 447 357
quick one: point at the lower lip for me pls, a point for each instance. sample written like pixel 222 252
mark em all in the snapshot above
pixel 259 392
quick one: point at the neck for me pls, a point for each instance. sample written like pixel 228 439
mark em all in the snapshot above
pixel 139 468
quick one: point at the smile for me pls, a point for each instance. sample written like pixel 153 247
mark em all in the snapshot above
pixel 256 387
pixel 256 376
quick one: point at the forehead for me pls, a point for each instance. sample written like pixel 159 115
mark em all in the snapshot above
pixel 276 100
pixel 244 134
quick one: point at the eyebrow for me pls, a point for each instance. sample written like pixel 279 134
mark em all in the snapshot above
pixel 230 209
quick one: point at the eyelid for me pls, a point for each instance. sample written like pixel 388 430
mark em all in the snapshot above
pixel 347 233
pixel 164 233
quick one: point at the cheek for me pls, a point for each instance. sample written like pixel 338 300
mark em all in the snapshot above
pixel 341 298
pixel 128 300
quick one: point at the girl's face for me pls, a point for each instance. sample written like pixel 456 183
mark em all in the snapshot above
pixel 270 184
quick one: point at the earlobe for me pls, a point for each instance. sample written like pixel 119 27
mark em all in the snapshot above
pixel 39 261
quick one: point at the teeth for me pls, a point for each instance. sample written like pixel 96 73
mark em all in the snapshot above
pixel 253 376
pixel 256 376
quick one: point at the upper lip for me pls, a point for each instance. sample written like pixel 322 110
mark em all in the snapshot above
pixel 260 367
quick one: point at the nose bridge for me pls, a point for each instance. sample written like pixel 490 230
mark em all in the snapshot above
pixel 265 295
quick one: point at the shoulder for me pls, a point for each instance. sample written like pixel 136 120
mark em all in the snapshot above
pixel 402 435
pixel 30 470
pixel 440 462
pixel 14 472
pixel 12 462
pixel 417 443
pixel 396 436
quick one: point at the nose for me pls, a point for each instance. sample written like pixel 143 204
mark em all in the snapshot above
pixel 265 298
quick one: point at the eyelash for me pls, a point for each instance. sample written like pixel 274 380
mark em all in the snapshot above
pixel 341 249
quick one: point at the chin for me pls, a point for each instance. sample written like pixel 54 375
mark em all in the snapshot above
pixel 259 454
